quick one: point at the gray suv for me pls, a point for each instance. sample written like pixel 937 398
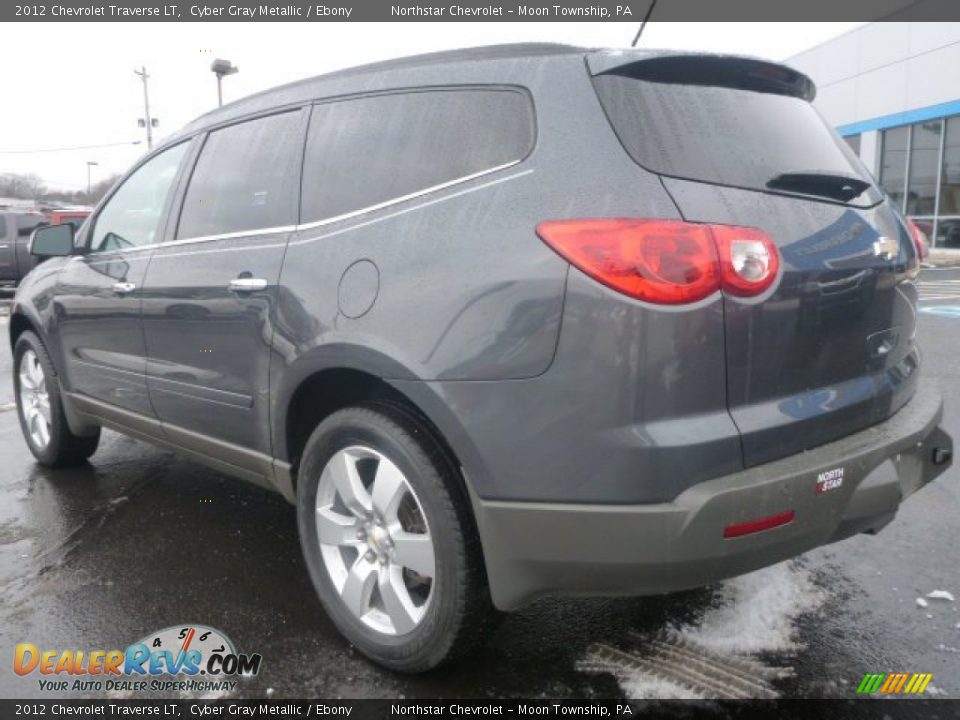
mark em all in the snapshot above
pixel 502 323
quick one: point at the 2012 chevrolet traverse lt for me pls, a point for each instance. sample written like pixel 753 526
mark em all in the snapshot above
pixel 502 323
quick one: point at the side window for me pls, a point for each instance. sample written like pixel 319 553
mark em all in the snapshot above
pixel 131 217
pixel 367 151
pixel 247 178
pixel 3 226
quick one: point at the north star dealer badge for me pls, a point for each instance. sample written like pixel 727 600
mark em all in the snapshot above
pixel 829 480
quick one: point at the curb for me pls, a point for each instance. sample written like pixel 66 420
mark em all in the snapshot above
pixel 944 258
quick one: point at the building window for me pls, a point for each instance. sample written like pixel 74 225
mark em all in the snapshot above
pixel 920 171
pixel 924 166
pixel 948 227
pixel 854 142
pixel 893 163
pixel 950 182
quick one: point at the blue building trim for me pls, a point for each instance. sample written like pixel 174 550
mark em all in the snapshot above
pixel 908 117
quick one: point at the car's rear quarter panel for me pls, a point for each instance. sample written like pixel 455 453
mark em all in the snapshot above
pixel 548 385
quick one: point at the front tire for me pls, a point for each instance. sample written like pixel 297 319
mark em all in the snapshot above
pixel 40 408
pixel 389 541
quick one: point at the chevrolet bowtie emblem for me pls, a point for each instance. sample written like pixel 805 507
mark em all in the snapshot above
pixel 886 248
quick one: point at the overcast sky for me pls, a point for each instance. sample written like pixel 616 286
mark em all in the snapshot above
pixel 73 83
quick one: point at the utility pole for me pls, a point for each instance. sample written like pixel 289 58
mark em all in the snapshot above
pixel 142 72
pixel 90 164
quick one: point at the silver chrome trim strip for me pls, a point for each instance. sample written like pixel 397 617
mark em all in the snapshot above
pixel 229 235
pixel 331 232
pixel 316 223
pixel 413 208
pixel 198 239
pixel 404 198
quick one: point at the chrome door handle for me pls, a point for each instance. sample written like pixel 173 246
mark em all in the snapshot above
pixel 122 288
pixel 247 284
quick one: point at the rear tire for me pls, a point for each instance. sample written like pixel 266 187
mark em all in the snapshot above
pixel 40 408
pixel 374 490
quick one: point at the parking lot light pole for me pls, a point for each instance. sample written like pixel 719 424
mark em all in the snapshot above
pixel 90 164
pixel 221 68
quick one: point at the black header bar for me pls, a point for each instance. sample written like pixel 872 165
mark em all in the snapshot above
pixel 478 10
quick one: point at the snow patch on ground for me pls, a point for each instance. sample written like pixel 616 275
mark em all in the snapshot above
pixel 940 595
pixel 645 687
pixel 755 613
pixel 921 602
pixel 758 612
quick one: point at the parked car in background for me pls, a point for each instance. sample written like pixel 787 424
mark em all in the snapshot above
pixel 15 230
pixel 920 232
pixel 76 217
pixel 948 233
pixel 502 323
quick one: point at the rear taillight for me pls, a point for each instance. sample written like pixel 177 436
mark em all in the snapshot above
pixel 666 261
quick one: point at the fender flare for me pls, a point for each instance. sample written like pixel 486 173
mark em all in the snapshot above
pixel 422 394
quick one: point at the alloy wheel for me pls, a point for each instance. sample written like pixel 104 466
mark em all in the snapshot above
pixel 34 399
pixel 375 541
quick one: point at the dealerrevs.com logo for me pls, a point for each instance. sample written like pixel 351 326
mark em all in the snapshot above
pixel 894 683
pixel 182 657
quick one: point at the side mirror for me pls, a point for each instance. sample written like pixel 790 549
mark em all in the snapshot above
pixel 52 241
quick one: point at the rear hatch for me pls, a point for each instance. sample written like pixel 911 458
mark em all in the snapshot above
pixel 829 349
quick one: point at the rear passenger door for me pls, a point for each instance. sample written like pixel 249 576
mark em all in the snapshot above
pixel 209 293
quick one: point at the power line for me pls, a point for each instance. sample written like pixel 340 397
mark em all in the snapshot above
pixel 64 149
pixel 653 4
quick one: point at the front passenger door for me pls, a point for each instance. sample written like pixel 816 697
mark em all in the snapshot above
pixel 97 298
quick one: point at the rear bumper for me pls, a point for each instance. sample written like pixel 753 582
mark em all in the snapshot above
pixel 535 549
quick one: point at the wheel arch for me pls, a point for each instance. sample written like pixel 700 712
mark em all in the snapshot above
pixel 19 324
pixel 338 377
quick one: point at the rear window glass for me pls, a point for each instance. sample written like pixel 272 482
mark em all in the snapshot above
pixel 728 136
pixel 372 150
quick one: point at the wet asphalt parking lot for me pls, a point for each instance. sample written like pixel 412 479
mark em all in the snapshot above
pixel 140 539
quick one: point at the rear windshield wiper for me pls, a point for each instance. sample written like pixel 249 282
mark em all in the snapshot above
pixel 835 186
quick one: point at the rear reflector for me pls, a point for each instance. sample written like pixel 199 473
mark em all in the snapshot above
pixel 668 262
pixel 754 526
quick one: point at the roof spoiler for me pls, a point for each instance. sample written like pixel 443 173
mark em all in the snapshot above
pixel 733 71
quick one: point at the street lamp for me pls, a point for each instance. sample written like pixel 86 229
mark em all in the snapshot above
pixel 90 164
pixel 220 69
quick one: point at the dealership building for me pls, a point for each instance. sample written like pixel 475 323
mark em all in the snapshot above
pixel 892 90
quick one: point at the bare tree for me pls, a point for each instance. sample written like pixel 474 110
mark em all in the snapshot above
pixel 32 187
pixel 98 190
pixel 26 187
